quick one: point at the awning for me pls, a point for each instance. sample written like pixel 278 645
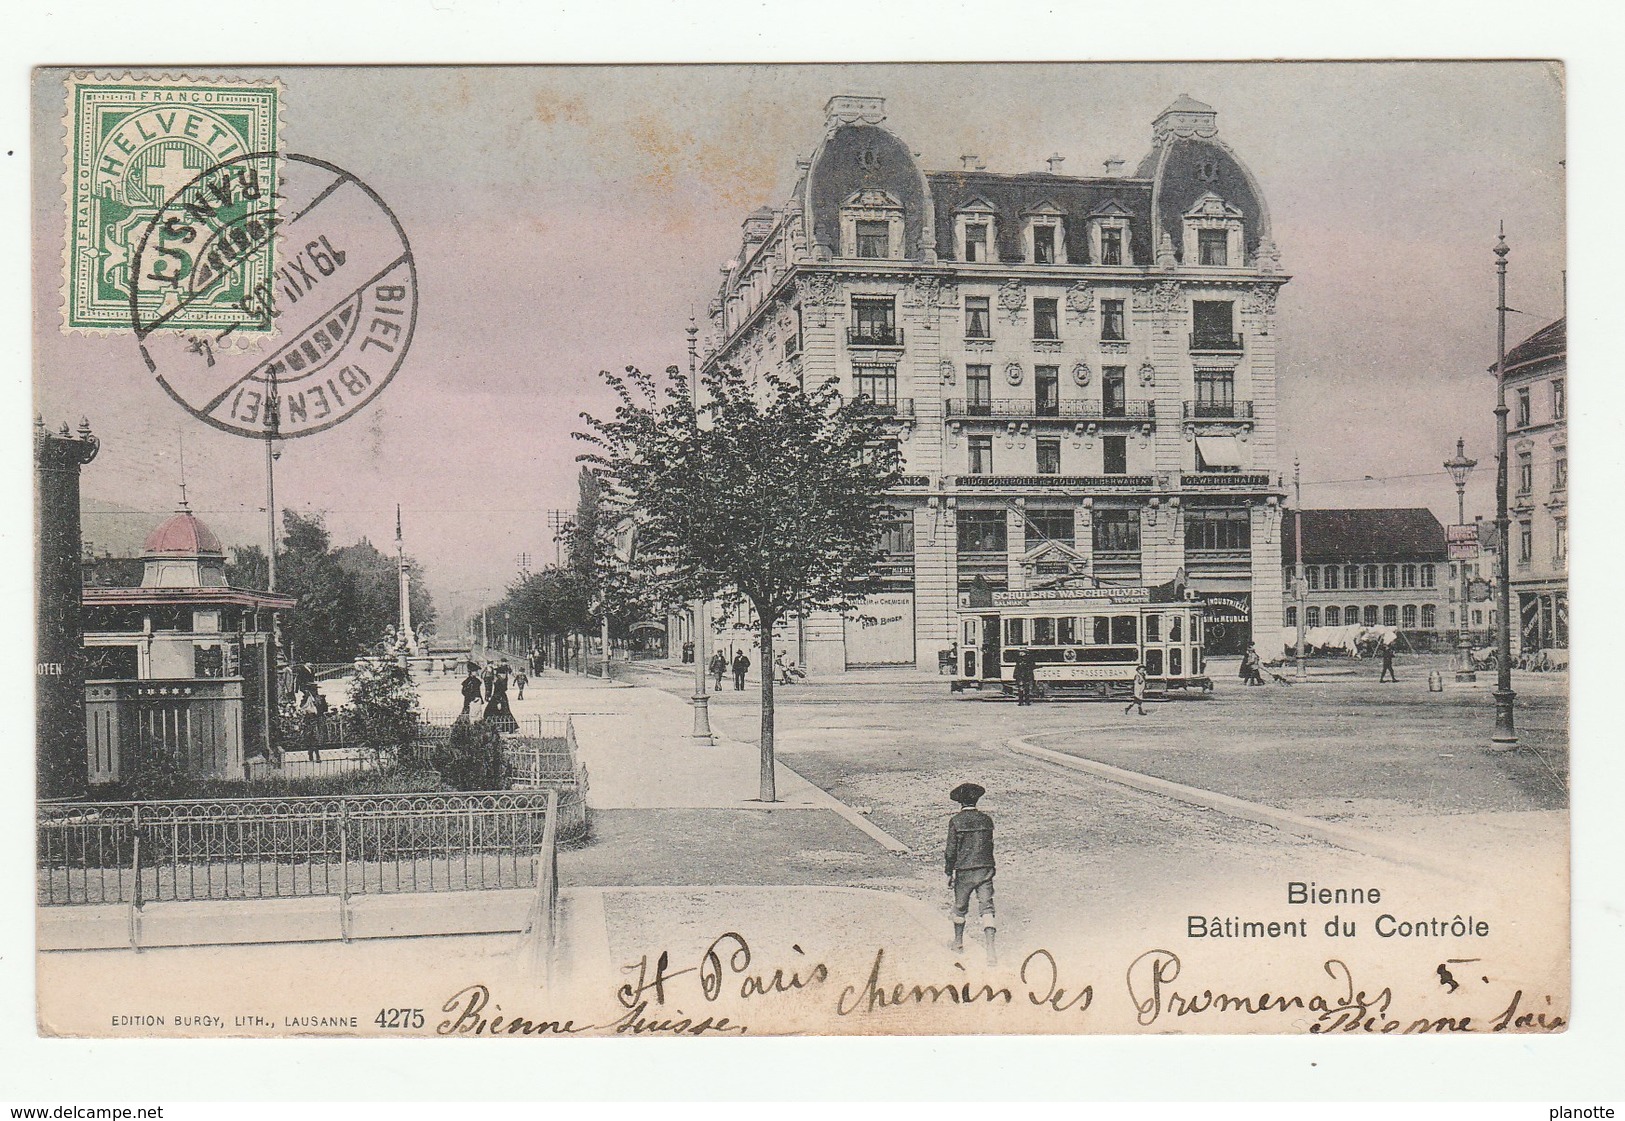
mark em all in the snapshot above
pixel 1219 451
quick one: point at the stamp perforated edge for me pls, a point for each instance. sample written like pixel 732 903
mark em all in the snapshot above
pixel 66 141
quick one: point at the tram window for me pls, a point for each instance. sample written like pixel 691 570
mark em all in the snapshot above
pixel 1175 630
pixel 1125 630
pixel 1103 630
pixel 1153 661
pixel 1066 631
pixel 1015 632
pixel 1153 628
pixel 1176 661
pixel 1043 632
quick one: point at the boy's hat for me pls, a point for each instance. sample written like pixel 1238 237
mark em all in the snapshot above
pixel 967 793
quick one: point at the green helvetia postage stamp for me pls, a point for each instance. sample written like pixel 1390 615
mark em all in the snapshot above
pixel 137 144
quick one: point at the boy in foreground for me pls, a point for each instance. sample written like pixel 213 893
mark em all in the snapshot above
pixel 969 862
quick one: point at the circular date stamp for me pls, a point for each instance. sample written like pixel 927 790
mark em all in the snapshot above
pixel 323 331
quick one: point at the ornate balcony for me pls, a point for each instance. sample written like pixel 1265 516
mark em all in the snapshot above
pixel 1205 343
pixel 902 408
pixel 1029 408
pixel 874 338
pixel 1218 410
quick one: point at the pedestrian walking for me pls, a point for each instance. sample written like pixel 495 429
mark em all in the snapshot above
pixel 1138 700
pixel 719 667
pixel 1252 666
pixel 488 677
pixel 741 667
pixel 473 690
pixel 1387 673
pixel 520 680
pixel 968 859
pixel 497 711
pixel 1026 677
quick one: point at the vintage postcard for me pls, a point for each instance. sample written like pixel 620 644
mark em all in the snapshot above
pixel 734 550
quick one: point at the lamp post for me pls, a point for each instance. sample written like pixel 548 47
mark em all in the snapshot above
pixel 1460 467
pixel 1504 732
pixel 1300 584
pixel 702 702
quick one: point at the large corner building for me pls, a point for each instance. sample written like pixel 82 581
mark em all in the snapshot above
pixel 1081 370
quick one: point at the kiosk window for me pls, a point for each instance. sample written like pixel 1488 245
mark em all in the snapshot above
pixel 1103 630
pixel 1124 630
pixel 1043 632
pixel 1066 631
pixel 1015 632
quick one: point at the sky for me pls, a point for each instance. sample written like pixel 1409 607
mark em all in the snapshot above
pixel 567 220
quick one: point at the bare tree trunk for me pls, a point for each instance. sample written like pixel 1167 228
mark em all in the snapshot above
pixel 769 791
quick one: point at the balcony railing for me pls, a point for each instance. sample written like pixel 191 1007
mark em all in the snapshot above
pixel 1205 343
pixel 1028 408
pixel 874 336
pixel 1218 410
pixel 901 407
pixel 1091 482
pixel 1222 479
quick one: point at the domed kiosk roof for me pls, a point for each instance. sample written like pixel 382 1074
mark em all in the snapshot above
pixel 183 536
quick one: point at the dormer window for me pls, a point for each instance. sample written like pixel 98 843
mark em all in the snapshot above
pixel 1109 235
pixel 1043 245
pixel 1111 246
pixel 976 241
pixel 872 226
pixel 975 234
pixel 1212 233
pixel 874 240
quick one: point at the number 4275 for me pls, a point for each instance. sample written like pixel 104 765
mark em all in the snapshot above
pixel 399 1018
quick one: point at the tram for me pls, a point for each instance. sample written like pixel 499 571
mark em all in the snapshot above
pixel 1084 643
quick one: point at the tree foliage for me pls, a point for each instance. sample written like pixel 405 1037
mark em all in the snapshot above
pixel 384 708
pixel 767 492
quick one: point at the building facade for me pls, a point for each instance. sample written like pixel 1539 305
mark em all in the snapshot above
pixel 1374 568
pixel 1538 487
pixel 1080 370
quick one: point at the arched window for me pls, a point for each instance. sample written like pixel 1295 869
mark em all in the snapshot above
pixel 1408 617
pixel 1312 574
pixel 1311 616
pixel 1370 615
pixel 1390 615
pixel 1429 621
pixel 1390 575
pixel 1292 616
pixel 1407 576
pixel 1351 576
pixel 1351 616
pixel 1369 576
pixel 1332 574
pixel 1428 575
pixel 1334 617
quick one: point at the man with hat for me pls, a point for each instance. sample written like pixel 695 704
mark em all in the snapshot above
pixel 969 863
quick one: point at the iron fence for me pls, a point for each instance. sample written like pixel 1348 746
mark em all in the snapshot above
pixel 260 848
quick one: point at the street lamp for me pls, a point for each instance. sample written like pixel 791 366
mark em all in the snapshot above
pixel 702 702
pixel 1460 467
pixel 1504 732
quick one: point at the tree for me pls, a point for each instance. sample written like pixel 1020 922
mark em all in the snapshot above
pixel 247 568
pixel 377 587
pixel 772 494
pixel 323 628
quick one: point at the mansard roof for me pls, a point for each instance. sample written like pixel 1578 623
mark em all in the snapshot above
pixel 1014 197
pixel 1376 534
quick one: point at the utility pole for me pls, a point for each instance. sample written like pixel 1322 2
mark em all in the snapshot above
pixel 273 450
pixel 1299 584
pixel 1460 467
pixel 702 702
pixel 1504 696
